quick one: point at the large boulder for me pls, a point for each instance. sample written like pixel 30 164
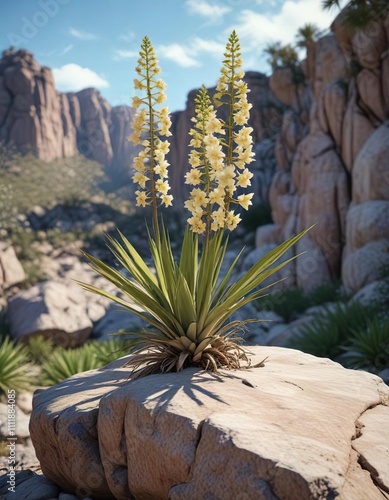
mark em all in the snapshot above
pixel 11 270
pixel 371 170
pixel 257 433
pixel 56 310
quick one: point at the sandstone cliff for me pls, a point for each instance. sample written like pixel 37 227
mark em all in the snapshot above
pixel 37 119
pixel 332 157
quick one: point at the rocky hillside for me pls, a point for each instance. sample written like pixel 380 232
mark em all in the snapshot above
pixel 35 118
pixel 332 157
pixel 324 126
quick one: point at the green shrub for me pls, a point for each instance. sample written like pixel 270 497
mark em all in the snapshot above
pixel 290 303
pixel 65 363
pixel 331 330
pixel 368 348
pixel 14 367
pixel 39 349
pixel 110 350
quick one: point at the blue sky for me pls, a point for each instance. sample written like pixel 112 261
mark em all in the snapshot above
pixel 94 43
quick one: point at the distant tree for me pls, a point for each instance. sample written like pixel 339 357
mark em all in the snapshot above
pixel 307 34
pixel 7 154
pixel 361 12
pixel 281 55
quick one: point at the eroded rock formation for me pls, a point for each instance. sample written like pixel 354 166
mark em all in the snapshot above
pixel 37 119
pixel 331 153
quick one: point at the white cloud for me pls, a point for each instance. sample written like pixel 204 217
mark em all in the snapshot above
pixel 81 35
pixel 127 37
pixel 208 46
pixel 179 54
pixel 119 55
pixel 186 55
pixel 204 8
pixel 259 29
pixel 72 78
pixel 67 49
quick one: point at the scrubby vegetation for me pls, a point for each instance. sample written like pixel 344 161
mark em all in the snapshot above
pixel 291 303
pixel 25 366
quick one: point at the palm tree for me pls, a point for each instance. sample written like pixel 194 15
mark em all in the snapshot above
pixel 307 34
pixel 281 56
pixel 360 13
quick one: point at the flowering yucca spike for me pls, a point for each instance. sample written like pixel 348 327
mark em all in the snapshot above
pixel 220 150
pixel 188 303
pixel 151 127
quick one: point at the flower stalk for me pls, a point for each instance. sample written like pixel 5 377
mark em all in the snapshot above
pixel 188 304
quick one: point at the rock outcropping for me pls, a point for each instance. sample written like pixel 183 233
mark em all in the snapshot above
pixel 258 433
pixel 332 168
pixel 35 118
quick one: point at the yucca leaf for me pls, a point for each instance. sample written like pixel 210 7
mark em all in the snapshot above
pixel 189 259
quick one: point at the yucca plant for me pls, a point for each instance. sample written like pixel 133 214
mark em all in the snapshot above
pixel 109 350
pixel 14 367
pixel 39 349
pixel 67 362
pixel 368 348
pixel 187 303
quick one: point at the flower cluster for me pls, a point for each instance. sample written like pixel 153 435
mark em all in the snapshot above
pixel 220 150
pixel 150 126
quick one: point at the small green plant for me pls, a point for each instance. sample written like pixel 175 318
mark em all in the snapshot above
pixel 39 349
pixel 292 302
pixel 332 329
pixel 184 301
pixel 110 350
pixel 67 362
pixel 368 348
pixel 14 367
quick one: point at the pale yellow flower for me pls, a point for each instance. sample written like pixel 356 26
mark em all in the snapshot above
pixel 199 197
pixel 232 220
pixel 194 159
pixel 198 226
pixel 244 200
pixel 217 196
pixel 218 219
pixel 140 179
pixel 226 177
pixel 161 169
pixel 193 177
pixel 167 199
pixel 243 179
pixel 136 102
pixel 162 186
pixel 141 198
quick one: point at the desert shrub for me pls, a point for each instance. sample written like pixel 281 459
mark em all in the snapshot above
pixel 110 350
pixel 67 362
pixel 368 348
pixel 14 367
pixel 329 332
pixel 63 363
pixel 290 303
pixel 39 349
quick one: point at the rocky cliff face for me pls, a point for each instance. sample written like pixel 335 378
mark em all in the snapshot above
pixel 37 119
pixel 332 157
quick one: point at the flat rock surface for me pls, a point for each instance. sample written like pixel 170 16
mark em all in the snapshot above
pixel 288 430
